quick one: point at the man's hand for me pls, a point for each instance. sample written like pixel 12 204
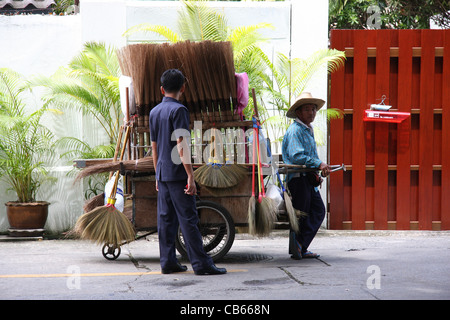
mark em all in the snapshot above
pixel 325 169
pixel 191 188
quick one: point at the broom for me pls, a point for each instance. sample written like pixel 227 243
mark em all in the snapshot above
pixel 266 210
pixel 252 200
pixel 291 211
pixel 143 165
pixel 106 224
pixel 97 200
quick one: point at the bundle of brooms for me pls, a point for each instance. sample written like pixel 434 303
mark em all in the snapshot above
pixel 210 93
pixel 208 67
pixel 262 211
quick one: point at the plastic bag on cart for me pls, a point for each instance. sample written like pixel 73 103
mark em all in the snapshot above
pixel 273 192
pixel 119 193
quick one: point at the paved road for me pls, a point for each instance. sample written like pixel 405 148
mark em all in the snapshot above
pixel 353 265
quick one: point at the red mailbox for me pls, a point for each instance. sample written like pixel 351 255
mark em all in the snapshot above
pixel 385 116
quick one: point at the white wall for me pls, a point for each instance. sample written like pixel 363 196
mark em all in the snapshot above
pixel 40 44
pixel 36 44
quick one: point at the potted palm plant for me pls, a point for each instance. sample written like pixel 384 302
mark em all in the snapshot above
pixel 26 147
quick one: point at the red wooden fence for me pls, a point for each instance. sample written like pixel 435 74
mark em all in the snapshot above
pixel 399 174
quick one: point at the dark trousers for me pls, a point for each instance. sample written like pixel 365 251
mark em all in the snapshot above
pixel 175 208
pixel 307 199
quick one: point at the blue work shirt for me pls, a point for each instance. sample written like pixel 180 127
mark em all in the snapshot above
pixel 165 118
pixel 299 146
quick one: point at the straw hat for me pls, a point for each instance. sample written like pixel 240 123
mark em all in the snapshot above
pixel 304 98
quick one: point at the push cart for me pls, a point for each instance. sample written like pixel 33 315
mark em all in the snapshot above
pixel 215 97
pixel 219 215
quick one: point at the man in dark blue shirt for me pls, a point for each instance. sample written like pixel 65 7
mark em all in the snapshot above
pixel 169 131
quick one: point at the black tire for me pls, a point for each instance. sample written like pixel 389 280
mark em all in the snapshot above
pixel 216 227
pixel 111 252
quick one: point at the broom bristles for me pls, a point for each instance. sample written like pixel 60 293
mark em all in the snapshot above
pixel 105 224
pixel 226 176
pixel 293 220
pixel 94 202
pixel 142 164
pixel 266 215
pixel 85 219
pixel 251 215
pixel 208 65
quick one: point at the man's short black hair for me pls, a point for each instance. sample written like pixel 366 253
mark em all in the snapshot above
pixel 172 80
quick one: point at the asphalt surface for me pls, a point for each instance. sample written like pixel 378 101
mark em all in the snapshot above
pixel 365 265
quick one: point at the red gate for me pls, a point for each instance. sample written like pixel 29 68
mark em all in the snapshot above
pixel 399 174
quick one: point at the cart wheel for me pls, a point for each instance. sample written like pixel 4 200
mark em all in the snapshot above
pixel 216 227
pixel 111 252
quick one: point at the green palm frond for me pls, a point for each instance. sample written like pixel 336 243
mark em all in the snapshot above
pixel 163 31
pixel 305 69
pixel 291 76
pixel 246 36
pixel 90 85
pixel 78 149
pixel 333 113
pixel 199 22
pixel 11 87
pixel 97 58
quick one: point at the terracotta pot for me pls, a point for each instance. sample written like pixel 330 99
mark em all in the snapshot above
pixel 29 218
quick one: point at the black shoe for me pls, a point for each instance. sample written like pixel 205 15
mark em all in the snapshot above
pixel 294 247
pixel 212 269
pixel 176 268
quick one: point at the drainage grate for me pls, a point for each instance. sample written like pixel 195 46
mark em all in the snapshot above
pixel 246 257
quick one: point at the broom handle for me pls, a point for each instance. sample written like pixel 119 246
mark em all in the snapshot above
pixel 260 179
pixel 255 130
pixel 259 168
pixel 278 174
pixel 259 164
pixel 253 165
pixel 116 180
pixel 116 152
pixel 255 105
pixel 127 118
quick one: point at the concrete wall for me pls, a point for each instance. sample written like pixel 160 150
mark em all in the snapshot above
pixel 40 44
pixel 37 44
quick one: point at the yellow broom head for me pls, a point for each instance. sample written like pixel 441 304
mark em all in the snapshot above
pixel 266 215
pixel 105 224
pixel 220 176
pixel 85 219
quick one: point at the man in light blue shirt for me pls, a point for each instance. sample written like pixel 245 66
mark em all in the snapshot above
pixel 299 147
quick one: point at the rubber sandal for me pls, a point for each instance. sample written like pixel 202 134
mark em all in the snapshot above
pixel 309 254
